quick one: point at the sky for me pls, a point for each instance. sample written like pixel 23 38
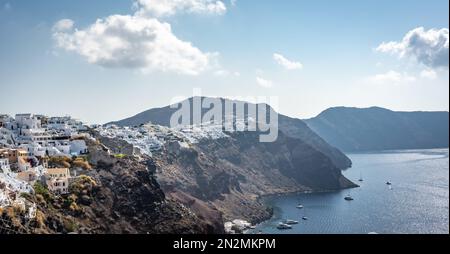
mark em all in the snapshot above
pixel 105 60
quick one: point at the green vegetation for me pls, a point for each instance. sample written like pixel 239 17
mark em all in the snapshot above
pixel 41 190
pixel 120 156
pixel 25 196
pixel 70 225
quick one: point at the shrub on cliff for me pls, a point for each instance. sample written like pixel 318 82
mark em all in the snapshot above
pixel 62 162
pixel 41 190
pixel 81 163
pixel 14 214
pixel 70 225
pixel 39 219
pixel 83 185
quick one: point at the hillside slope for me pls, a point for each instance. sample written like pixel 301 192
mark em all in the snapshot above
pixel 294 128
pixel 232 173
pixel 354 129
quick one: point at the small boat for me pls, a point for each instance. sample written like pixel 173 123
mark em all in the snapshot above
pixel 360 177
pixel 348 198
pixel 300 206
pixel 304 218
pixel 388 183
pixel 283 226
pixel 290 222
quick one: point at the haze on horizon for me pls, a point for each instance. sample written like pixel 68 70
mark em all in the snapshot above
pixel 105 60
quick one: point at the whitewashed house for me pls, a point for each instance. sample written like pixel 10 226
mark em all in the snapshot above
pixel 14 184
pixel 78 147
pixel 27 121
pixel 57 180
pixel 23 164
pixel 4 166
pixel 65 124
pixel 4 120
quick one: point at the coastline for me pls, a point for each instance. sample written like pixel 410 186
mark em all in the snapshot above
pixel 330 208
pixel 264 200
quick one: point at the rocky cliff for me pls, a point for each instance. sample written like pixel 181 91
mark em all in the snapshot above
pixel 120 195
pixel 232 173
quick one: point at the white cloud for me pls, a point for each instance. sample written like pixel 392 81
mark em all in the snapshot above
pixel 140 41
pixel 429 47
pixel 428 74
pixel 160 8
pixel 133 42
pixel 63 25
pixel 391 77
pixel 286 63
pixel 264 82
pixel 233 2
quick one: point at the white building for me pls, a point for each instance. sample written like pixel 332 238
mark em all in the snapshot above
pixel 23 164
pixel 14 184
pixel 4 166
pixel 27 121
pixel 4 119
pixel 58 122
pixel 78 147
pixel 57 180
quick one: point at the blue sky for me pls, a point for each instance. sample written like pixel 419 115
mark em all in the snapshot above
pixel 333 51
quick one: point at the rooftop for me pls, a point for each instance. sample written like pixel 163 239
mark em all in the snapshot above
pixel 58 171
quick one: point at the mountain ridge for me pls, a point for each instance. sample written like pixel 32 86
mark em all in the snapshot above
pixel 375 128
pixel 293 127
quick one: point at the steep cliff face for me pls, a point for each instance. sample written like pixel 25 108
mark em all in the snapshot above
pixel 117 196
pixel 298 129
pixel 231 173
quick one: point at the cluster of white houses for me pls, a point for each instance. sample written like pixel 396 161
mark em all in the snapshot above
pixel 27 142
pixel 149 138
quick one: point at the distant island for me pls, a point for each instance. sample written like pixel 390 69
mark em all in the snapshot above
pixel 375 128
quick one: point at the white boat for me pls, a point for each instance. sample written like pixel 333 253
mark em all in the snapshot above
pixel 283 226
pixel 290 222
pixel 388 183
pixel 300 206
pixel 304 218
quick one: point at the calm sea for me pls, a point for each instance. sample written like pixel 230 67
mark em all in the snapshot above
pixel 416 202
